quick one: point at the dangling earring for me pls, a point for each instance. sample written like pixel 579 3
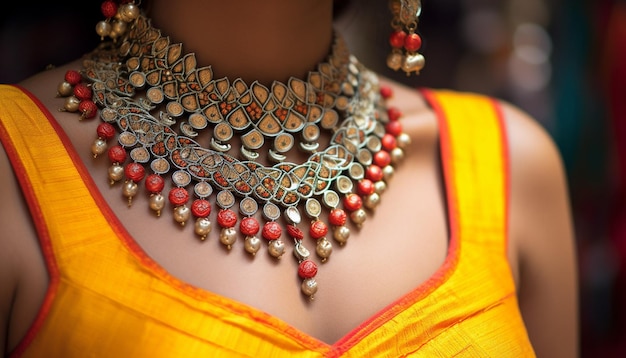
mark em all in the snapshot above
pixel 404 40
pixel 118 14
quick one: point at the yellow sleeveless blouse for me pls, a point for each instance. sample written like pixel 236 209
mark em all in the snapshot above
pixel 107 298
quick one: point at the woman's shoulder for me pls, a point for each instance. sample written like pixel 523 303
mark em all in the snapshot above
pixel 541 232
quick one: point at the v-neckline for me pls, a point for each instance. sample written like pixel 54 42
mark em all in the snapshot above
pixel 354 336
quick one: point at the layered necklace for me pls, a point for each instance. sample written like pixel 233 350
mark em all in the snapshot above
pixel 165 118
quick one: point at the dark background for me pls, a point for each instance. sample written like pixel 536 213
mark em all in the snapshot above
pixel 561 61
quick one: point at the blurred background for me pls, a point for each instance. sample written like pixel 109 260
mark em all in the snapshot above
pixel 564 62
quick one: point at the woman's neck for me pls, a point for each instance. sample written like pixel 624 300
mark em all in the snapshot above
pixel 250 39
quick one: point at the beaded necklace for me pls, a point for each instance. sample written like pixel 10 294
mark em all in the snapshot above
pixel 160 107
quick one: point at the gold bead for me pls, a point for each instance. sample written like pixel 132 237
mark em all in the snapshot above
pixel 116 173
pixel 118 29
pixel 129 12
pixel 157 203
pixel 228 236
pixel 397 154
pixel 388 172
pixel 202 227
pixel 309 287
pixel 98 147
pixel 252 244
pixel 413 63
pixel 394 61
pixel 403 140
pixel 103 28
pixel 324 248
pixel 341 234
pixel 276 248
pixel 64 89
pixel 182 214
pixel 371 201
pixel 380 187
pixel 71 104
pixel 358 217
pixel 130 190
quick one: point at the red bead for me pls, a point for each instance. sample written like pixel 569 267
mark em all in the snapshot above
pixel 117 154
pixel 374 173
pixel 394 128
pixel 397 39
pixel 318 229
pixel 337 217
pixel 249 226
pixel 365 187
pixel 73 77
pixel 393 113
pixel 388 142
pixel 307 269
pixel 295 232
pixel 382 159
pixel 108 8
pixel 272 230
pixel 178 196
pixel 386 92
pixel 134 172
pixel 87 109
pixel 412 42
pixel 201 208
pixel 154 183
pixel 352 202
pixel 105 131
pixel 82 91
pixel 226 218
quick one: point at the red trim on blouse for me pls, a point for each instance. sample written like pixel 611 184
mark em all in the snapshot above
pixel 42 233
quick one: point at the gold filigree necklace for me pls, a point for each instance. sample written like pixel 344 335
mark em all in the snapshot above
pixel 157 103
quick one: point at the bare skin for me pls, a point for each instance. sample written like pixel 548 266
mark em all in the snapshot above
pixel 541 247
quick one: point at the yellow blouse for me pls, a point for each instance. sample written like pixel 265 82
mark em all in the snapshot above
pixel 107 298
